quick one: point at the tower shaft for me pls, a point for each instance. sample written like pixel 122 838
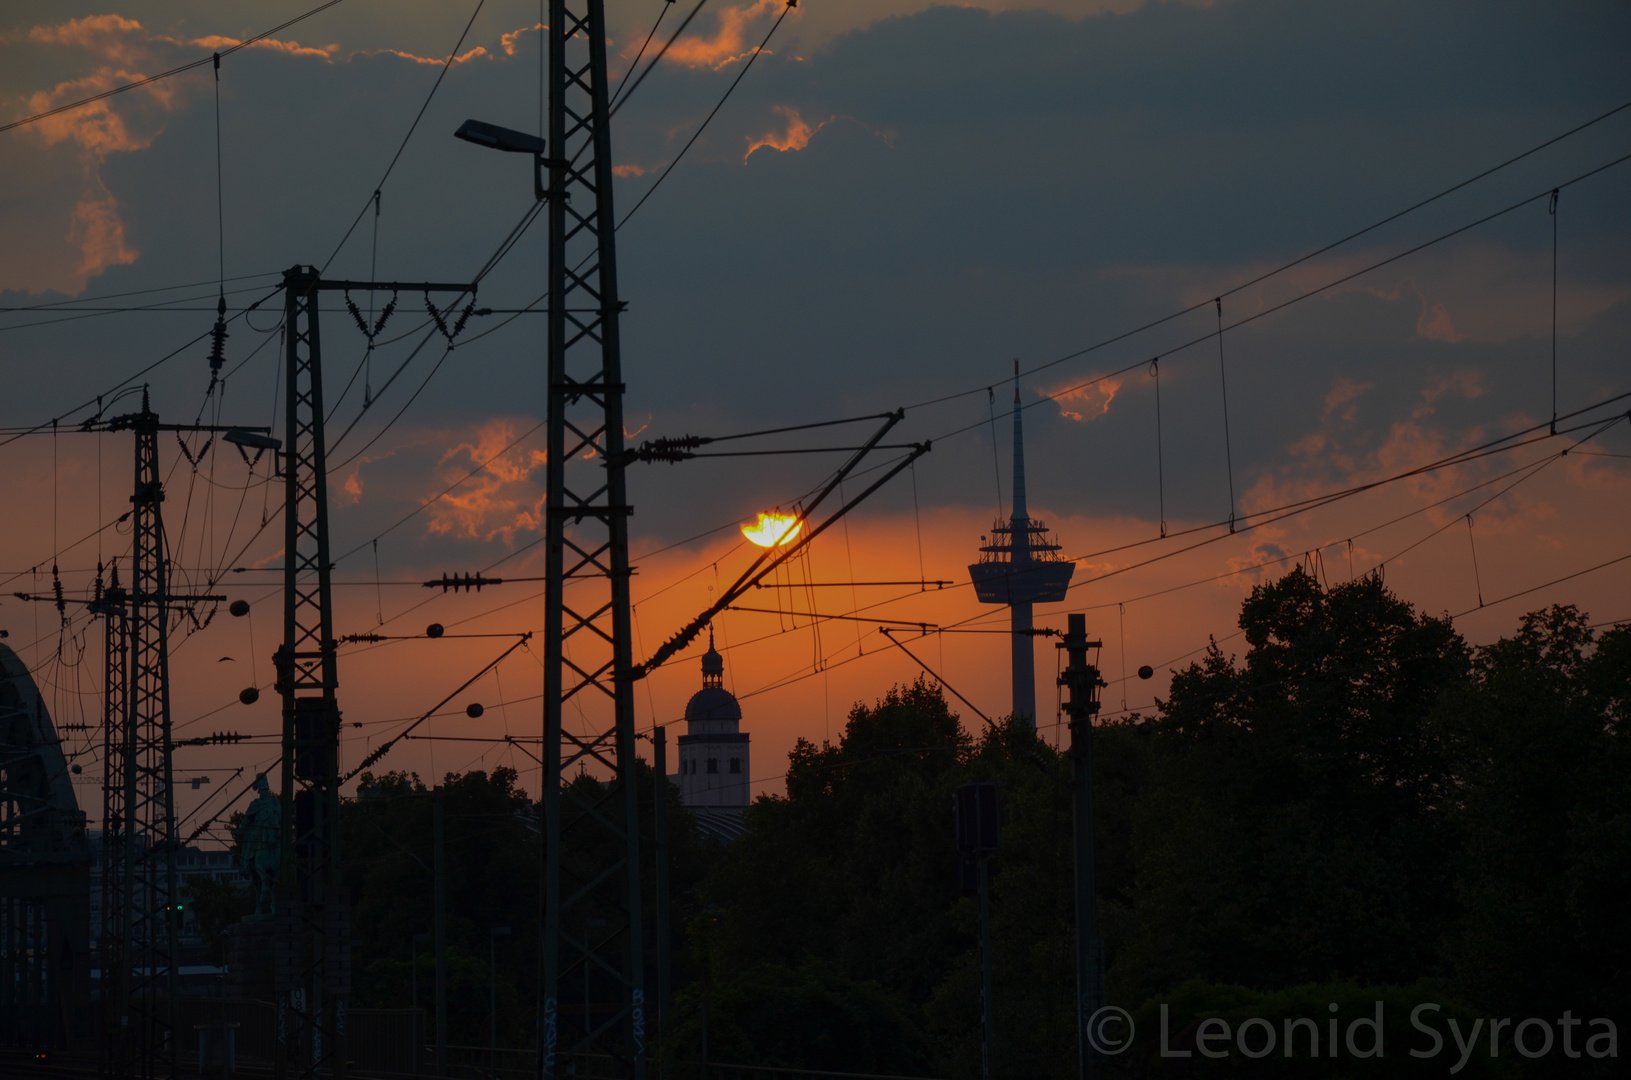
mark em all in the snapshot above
pixel 1024 664
pixel 1019 608
pixel 139 843
pixel 592 935
pixel 313 999
pixel 111 942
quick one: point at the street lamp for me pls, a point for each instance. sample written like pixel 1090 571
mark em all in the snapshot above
pixel 492 993
pixel 511 142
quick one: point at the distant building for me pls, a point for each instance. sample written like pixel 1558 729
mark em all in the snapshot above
pixel 714 771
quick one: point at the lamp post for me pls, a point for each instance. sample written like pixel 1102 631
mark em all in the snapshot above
pixel 511 142
pixel 492 992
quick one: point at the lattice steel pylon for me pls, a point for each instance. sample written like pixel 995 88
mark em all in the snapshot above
pixel 111 603
pixel 145 981
pixel 310 900
pixel 592 925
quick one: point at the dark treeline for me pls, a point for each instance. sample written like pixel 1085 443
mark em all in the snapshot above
pixel 1363 807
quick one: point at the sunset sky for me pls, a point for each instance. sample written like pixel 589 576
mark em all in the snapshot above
pixel 898 200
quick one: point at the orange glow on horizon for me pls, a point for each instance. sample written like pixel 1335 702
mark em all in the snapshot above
pixel 773 529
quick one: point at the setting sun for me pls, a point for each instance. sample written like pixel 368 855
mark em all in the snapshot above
pixel 773 529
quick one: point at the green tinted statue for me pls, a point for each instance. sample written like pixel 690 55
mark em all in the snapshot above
pixel 259 843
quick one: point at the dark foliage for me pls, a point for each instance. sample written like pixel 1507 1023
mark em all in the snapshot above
pixel 494 854
pixel 1360 803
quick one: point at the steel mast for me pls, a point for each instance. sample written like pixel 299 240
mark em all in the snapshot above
pixel 138 793
pixel 309 894
pixel 592 920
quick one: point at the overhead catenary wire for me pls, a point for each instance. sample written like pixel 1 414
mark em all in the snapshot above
pixel 618 101
pixel 1228 452
pixel 1528 469
pixel 111 395
pixel 149 80
pixel 1273 308
pixel 617 91
pixel 1476 577
pixel 420 115
pixel 1551 211
pixel 711 114
pixel 1160 464
pixel 1332 245
pixel 1545 585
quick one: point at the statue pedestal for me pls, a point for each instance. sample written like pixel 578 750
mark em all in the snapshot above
pixel 261 957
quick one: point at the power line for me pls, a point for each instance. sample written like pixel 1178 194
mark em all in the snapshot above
pixel 446 64
pixel 213 58
pixel 1313 254
pixel 1543 585
pixel 110 395
pixel 50 304
pixel 619 101
pixel 694 135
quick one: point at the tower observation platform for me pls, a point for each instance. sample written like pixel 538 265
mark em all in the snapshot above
pixel 1020 566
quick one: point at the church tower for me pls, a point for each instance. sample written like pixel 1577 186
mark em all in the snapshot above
pixel 714 752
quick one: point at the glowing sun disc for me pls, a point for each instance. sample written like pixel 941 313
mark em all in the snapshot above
pixel 773 530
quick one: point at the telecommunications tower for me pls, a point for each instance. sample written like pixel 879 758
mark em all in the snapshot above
pixel 1020 566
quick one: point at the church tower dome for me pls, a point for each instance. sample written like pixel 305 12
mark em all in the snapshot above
pixel 714 750
pixel 713 709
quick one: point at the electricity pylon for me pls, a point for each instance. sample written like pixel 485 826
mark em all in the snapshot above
pixel 1082 680
pixel 110 603
pixel 311 897
pixel 592 921
pixel 139 968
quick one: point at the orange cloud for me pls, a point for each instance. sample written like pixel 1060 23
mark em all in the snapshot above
pixel 1434 324
pixel 97 131
pixel 498 501
pixel 215 43
pixel 96 128
pixel 628 170
pixel 1085 402
pixel 1342 396
pixel 1466 383
pixel 508 40
pixel 438 61
pixel 131 122
pixel 107 35
pixel 796 137
pixel 100 235
pixel 729 42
